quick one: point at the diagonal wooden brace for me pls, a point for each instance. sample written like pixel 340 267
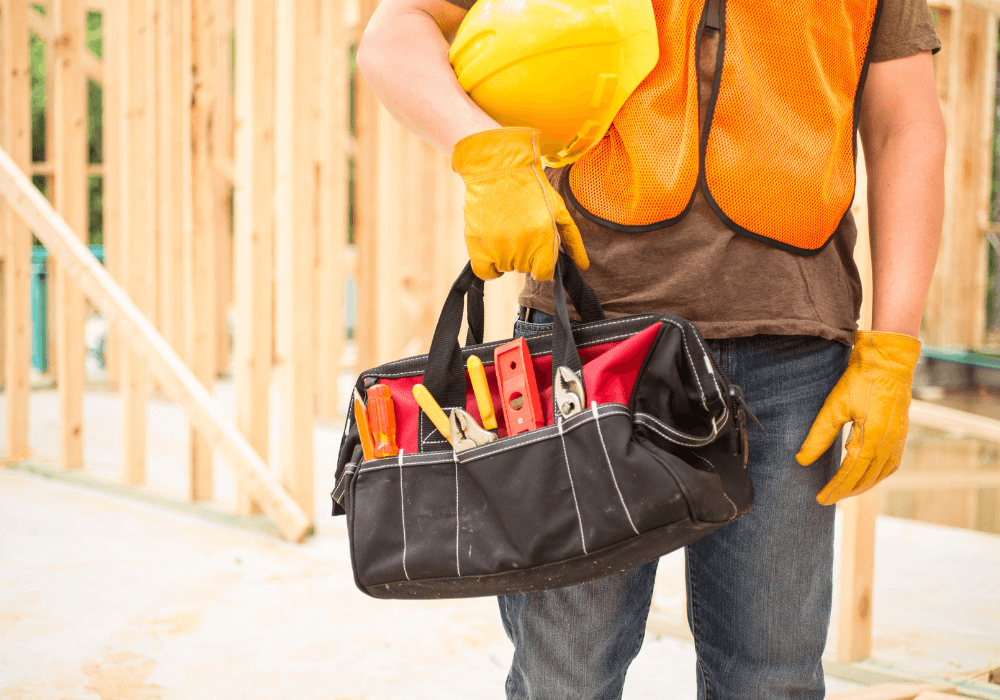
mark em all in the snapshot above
pixel 170 372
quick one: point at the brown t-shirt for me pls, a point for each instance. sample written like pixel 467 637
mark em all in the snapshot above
pixel 729 285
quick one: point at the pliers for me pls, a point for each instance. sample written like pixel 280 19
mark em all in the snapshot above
pixel 569 392
pixel 465 433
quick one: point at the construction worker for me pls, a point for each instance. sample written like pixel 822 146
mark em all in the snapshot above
pixel 720 193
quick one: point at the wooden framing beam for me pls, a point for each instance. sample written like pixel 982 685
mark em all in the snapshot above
pixel 69 106
pixel 332 231
pixel 365 201
pixel 16 112
pixel 930 415
pixel 43 26
pixel 222 122
pixel 113 47
pixel 254 227
pixel 201 246
pixel 942 481
pixel 173 140
pixel 857 564
pixel 48 169
pixel 179 384
pixel 138 221
pixel 966 65
pixel 297 171
pixel 992 6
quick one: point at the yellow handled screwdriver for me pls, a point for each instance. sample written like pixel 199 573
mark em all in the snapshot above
pixel 433 410
pixel 477 374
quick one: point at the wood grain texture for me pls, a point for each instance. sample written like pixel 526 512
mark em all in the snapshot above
pixel 69 106
pixel 332 232
pixel 202 245
pixel 222 122
pixel 135 246
pixel 365 202
pixel 891 691
pixel 254 227
pixel 112 125
pixel 297 179
pixel 173 139
pixel 955 312
pixel 857 564
pixel 16 111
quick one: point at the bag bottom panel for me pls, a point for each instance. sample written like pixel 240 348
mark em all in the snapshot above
pixel 619 557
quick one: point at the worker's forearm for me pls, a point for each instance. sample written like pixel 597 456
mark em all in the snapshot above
pixel 404 58
pixel 906 205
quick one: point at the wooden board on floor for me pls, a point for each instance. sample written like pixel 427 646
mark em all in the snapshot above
pixel 891 691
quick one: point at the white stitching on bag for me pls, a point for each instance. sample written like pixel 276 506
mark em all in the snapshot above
pixel 579 518
pixel 657 426
pixel 475 453
pixel 458 565
pixel 687 350
pixel 595 324
pixel 597 422
pixel 402 508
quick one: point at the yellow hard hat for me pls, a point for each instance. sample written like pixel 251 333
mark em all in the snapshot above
pixel 564 67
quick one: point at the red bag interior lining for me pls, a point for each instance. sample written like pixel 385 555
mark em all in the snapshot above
pixel 609 374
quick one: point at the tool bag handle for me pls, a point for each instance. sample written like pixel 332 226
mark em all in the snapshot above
pixel 444 375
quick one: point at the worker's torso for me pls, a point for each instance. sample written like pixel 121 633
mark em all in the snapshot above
pixel 761 113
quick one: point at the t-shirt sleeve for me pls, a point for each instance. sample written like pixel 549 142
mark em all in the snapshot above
pixel 464 4
pixel 905 28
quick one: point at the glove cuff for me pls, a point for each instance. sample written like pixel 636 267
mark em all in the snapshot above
pixel 895 353
pixel 495 150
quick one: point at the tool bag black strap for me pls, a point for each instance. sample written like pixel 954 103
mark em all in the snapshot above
pixel 654 461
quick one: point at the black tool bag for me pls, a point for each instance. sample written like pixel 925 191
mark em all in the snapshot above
pixel 656 460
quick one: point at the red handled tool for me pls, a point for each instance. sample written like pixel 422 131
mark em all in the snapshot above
pixel 382 420
pixel 522 408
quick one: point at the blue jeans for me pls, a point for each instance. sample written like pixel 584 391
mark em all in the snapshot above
pixel 759 589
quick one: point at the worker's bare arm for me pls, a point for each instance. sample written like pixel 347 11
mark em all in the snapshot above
pixel 404 58
pixel 904 142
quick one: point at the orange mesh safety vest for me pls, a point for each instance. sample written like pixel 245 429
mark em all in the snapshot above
pixel 775 159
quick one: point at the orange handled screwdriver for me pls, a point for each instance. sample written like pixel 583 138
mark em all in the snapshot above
pixel 382 418
pixel 362 420
pixel 482 389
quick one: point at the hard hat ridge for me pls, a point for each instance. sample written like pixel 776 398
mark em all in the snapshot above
pixel 563 67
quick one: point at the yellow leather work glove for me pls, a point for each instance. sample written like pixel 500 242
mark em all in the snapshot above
pixel 874 392
pixel 514 219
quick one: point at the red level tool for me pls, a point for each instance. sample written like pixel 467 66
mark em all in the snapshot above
pixel 522 408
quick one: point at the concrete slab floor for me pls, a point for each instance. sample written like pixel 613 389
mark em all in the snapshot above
pixel 107 597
